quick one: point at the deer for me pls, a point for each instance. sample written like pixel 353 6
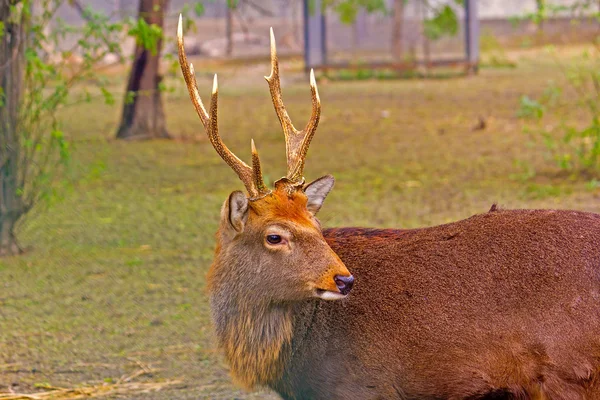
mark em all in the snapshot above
pixel 501 305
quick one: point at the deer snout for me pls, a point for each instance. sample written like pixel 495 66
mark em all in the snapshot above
pixel 335 287
pixel 344 283
pixel 336 281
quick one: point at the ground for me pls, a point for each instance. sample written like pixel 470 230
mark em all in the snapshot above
pixel 113 281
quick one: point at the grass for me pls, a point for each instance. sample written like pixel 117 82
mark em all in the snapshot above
pixel 115 273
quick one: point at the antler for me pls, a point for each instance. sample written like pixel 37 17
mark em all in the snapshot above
pixel 296 142
pixel 250 176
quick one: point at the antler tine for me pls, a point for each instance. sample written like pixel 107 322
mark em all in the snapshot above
pixel 296 142
pixel 256 170
pixel 210 122
pixel 190 77
pixel 311 125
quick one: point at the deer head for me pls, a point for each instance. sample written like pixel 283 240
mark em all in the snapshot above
pixel 270 241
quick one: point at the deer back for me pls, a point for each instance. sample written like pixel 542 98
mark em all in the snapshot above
pixel 505 302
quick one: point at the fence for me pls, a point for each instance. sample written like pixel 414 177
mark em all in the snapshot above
pixel 376 39
pixel 402 37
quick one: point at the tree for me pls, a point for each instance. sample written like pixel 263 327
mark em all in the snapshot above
pixel 397 49
pixel 33 87
pixel 541 10
pixel 229 28
pixel 12 61
pixel 143 112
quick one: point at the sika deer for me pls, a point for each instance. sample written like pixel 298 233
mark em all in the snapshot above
pixel 502 305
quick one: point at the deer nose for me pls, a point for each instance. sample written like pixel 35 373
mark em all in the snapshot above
pixel 344 283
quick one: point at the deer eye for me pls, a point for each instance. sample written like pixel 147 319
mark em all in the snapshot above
pixel 274 239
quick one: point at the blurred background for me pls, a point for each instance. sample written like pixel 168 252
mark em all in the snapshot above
pixel 110 192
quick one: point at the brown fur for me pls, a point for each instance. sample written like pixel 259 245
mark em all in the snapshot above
pixel 503 305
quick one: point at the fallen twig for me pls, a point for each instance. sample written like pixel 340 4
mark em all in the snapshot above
pixel 101 390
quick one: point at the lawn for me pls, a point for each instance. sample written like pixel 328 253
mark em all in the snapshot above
pixel 113 282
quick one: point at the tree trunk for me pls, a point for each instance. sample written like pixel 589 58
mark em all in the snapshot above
pixel 229 30
pixel 144 117
pixel 426 49
pixel 397 49
pixel 8 241
pixel 12 63
pixel 541 10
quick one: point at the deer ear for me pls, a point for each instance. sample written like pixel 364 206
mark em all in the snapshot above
pixel 316 191
pixel 235 211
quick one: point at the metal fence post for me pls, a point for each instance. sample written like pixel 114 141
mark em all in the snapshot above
pixel 472 35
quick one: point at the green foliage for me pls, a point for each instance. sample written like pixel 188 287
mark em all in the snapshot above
pixel 129 97
pixel 39 147
pixel 444 20
pixel 347 12
pixel 541 191
pixel 199 9
pixel 108 96
pixel 348 9
pixel 572 146
pixel 443 23
pixel 529 108
pixel 545 10
pixel 592 185
pixel 146 35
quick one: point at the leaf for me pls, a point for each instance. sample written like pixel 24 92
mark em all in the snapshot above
pixel 372 6
pixel 530 108
pixel 56 134
pixel 347 12
pixel 199 9
pixel 162 86
pixel 146 35
pixel 592 185
pixel 444 23
pixel 130 97
pixel 312 7
pixel 109 99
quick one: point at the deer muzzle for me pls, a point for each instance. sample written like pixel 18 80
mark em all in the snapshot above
pixel 344 283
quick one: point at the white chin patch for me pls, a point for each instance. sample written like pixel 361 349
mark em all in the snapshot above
pixel 327 295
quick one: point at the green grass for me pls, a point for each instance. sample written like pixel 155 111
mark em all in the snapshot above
pixel 115 270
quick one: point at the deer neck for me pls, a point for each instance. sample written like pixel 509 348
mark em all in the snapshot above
pixel 255 336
